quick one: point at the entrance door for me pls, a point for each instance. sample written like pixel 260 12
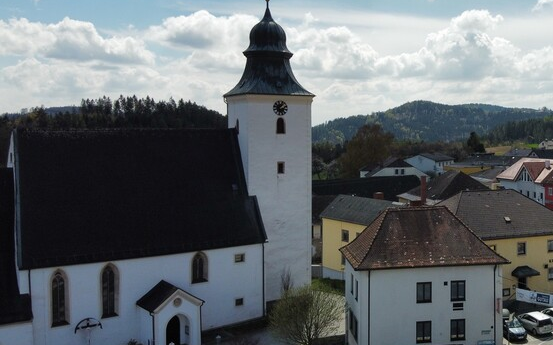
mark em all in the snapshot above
pixel 522 283
pixel 173 331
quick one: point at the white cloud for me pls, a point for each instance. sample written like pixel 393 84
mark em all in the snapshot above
pixel 542 5
pixel 69 40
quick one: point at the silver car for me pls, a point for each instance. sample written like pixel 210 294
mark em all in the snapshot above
pixel 536 322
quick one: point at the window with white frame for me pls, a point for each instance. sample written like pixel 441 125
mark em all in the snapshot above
pixel 457 329
pixel 424 332
pixel 239 257
pixel 458 290
pixel 424 292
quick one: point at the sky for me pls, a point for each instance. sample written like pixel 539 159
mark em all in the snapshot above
pixel 356 56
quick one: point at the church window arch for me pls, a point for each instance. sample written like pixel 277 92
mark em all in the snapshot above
pixel 110 291
pixel 59 294
pixel 199 268
pixel 280 126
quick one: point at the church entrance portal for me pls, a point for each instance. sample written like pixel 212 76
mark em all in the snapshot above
pixel 178 331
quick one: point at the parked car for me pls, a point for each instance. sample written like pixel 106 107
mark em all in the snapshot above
pixel 513 330
pixel 548 312
pixel 536 322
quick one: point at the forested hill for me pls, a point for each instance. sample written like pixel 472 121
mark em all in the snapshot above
pixel 428 121
pixel 123 112
pixel 531 130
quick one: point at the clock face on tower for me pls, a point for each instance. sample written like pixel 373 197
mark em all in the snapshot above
pixel 280 107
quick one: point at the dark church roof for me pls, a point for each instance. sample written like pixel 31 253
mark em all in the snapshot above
pixel 268 69
pixel 14 307
pixel 446 185
pixel 103 195
pixel 390 186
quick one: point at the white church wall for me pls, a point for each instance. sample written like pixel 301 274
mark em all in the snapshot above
pixel 16 334
pixel 227 280
pixel 284 199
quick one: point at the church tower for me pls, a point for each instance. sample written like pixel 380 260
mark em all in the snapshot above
pixel 272 114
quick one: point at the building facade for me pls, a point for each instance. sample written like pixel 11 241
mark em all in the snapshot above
pixel 410 278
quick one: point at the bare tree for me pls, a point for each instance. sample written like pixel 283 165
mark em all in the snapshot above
pixel 305 314
pixel 286 282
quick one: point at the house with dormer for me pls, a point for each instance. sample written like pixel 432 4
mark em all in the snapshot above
pixel 419 275
pixel 158 235
pixel 517 228
pixel 430 163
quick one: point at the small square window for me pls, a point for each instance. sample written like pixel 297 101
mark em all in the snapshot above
pixel 239 257
pixel 345 236
pixel 239 302
pixel 506 292
pixel 280 167
pixel 521 248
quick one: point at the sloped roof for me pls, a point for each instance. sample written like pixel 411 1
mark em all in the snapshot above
pixel 437 157
pixel 514 170
pixel 102 195
pixel 501 214
pixel 390 162
pixel 318 204
pixel 14 307
pixel 542 153
pixel 418 237
pixel 154 298
pixel 443 186
pixel 391 186
pixel 534 169
pixel 355 209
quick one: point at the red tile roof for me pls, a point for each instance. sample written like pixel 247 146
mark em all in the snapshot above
pixel 418 237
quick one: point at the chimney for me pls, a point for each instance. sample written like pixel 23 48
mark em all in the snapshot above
pixel 423 190
pixel 378 195
pixel 547 164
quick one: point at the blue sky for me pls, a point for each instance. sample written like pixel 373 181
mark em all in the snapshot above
pixel 357 56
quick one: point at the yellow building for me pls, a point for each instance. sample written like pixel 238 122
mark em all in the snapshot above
pixel 517 228
pixel 343 220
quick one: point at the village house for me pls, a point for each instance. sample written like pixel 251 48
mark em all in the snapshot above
pixel 517 228
pixel 419 275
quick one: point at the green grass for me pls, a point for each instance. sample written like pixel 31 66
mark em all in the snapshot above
pixel 334 285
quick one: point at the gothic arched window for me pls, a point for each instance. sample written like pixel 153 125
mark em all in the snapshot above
pixel 59 299
pixel 199 268
pixel 110 291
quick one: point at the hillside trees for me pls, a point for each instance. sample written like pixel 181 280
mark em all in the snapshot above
pixel 370 145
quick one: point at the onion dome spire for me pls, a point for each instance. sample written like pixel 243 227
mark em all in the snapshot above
pixel 268 69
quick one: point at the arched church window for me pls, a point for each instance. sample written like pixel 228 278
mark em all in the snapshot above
pixel 280 126
pixel 199 268
pixel 59 299
pixel 110 291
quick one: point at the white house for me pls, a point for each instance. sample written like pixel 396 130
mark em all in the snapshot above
pixel 430 162
pixel 158 235
pixel 391 167
pixel 532 177
pixel 418 275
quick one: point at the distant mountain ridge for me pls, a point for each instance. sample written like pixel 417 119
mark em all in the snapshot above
pixel 428 121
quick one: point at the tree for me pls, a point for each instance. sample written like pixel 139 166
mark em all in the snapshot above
pixel 306 314
pixel 474 143
pixel 371 145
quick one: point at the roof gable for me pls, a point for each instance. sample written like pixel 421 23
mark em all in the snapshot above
pixel 418 237
pixel 98 195
pixel 448 184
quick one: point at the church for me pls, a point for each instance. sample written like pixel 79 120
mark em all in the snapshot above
pixel 154 236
